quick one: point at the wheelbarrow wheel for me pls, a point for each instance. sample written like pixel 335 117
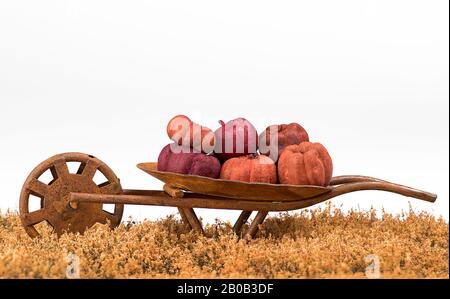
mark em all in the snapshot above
pixel 55 208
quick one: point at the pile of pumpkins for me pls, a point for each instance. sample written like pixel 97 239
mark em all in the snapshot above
pixel 235 151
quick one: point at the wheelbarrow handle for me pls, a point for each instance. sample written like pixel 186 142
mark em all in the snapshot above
pixel 345 179
pixel 346 184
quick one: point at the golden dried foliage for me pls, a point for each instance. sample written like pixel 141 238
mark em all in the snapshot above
pixel 307 244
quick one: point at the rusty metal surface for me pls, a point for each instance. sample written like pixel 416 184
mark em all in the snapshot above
pixel 55 208
pixel 278 192
pixel 243 217
pixel 254 226
pixel 235 189
pixel 73 202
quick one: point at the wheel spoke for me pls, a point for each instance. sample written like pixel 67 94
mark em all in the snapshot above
pixel 110 188
pixel 60 169
pixel 104 216
pixel 38 188
pixel 90 168
pixel 34 217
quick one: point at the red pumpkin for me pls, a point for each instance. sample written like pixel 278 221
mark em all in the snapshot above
pixel 175 158
pixel 250 168
pixel 305 164
pixel 275 138
pixel 184 131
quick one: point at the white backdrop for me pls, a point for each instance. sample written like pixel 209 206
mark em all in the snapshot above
pixel 368 79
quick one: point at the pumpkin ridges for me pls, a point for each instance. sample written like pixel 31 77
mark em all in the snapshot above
pixel 253 174
pixel 249 169
pixel 305 146
pixel 295 162
pixel 315 171
pixel 303 179
pixel 260 169
pixel 324 156
pixel 306 163
pixel 328 162
pixel 282 168
pixel 246 172
pixel 225 171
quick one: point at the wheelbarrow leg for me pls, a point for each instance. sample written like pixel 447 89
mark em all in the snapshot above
pixel 187 214
pixel 184 218
pixel 243 217
pixel 193 221
pixel 253 229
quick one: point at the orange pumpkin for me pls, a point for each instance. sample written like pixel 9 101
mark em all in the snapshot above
pixel 306 163
pixel 250 168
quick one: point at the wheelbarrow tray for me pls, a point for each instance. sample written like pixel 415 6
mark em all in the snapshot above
pixel 263 192
pixel 234 189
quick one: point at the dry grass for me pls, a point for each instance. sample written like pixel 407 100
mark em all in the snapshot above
pixel 319 243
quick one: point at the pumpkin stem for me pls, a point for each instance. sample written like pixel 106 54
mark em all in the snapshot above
pixel 222 123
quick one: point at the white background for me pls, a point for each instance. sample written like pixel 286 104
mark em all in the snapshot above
pixel 368 79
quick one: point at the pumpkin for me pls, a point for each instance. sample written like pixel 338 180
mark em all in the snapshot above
pixel 250 168
pixel 306 163
pixel 235 138
pixel 179 159
pixel 276 137
pixel 184 131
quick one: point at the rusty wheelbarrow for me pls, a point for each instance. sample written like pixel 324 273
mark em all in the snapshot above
pixel 73 202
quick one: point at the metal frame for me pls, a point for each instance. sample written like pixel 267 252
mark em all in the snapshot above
pixel 73 202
